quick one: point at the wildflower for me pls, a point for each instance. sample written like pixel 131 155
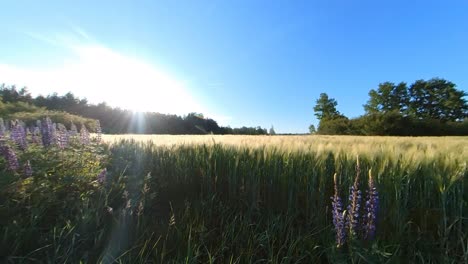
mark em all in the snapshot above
pixel 62 136
pixel 354 204
pixel 102 176
pixel 49 136
pixel 371 207
pixel 27 169
pixel 338 216
pixel 11 158
pixel 84 135
pixel 18 135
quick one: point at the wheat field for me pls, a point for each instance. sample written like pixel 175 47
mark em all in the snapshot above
pixel 409 147
pixel 245 199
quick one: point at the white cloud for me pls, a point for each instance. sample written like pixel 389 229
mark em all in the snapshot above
pixel 102 74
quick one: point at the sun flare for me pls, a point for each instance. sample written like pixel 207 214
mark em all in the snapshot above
pixel 104 75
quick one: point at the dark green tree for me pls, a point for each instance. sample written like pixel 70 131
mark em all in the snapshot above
pixel 331 121
pixel 336 126
pixel 437 99
pixel 325 108
pixel 388 98
pixel 312 129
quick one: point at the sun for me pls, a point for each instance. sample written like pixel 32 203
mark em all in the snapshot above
pixel 103 75
pixel 133 84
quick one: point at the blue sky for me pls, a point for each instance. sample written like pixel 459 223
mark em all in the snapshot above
pixel 240 62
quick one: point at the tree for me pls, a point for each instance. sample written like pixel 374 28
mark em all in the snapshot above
pixel 272 131
pixel 388 98
pixel 312 129
pixel 437 99
pixel 331 121
pixel 325 107
pixel 335 126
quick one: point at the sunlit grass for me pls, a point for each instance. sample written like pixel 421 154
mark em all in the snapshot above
pixel 242 199
pixel 408 147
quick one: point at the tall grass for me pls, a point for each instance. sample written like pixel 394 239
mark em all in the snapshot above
pixel 261 200
pixel 242 204
pixel 408 147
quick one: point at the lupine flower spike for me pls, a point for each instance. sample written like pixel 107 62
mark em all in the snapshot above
pixel 11 158
pixel 338 216
pixel 49 136
pixel 62 136
pixel 371 207
pixel 354 204
pixel 84 135
pixel 18 135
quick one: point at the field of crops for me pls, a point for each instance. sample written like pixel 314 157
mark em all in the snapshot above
pixel 410 147
pixel 239 199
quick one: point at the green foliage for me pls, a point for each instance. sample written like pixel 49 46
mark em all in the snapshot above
pixel 56 116
pixel 334 126
pixel 118 121
pixel 331 121
pixel 54 214
pixel 391 123
pixel 426 108
pixel 312 129
pixel 325 107
pixel 388 98
pixel 437 99
pixel 218 204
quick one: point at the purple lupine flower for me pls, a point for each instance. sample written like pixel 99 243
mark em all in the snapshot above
pixel 354 204
pixel 102 176
pixel 371 207
pixel 11 158
pixel 62 136
pixel 338 216
pixel 18 135
pixel 49 136
pixel 98 131
pixel 84 135
pixel 27 170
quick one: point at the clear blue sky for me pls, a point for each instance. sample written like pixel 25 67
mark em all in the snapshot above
pixel 241 62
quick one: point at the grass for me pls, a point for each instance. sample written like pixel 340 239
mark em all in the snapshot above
pixel 248 199
pixel 410 147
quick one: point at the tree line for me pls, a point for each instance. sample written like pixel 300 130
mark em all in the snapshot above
pixel 425 108
pixel 115 120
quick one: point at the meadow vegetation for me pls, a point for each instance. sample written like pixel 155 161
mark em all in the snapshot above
pixel 230 199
